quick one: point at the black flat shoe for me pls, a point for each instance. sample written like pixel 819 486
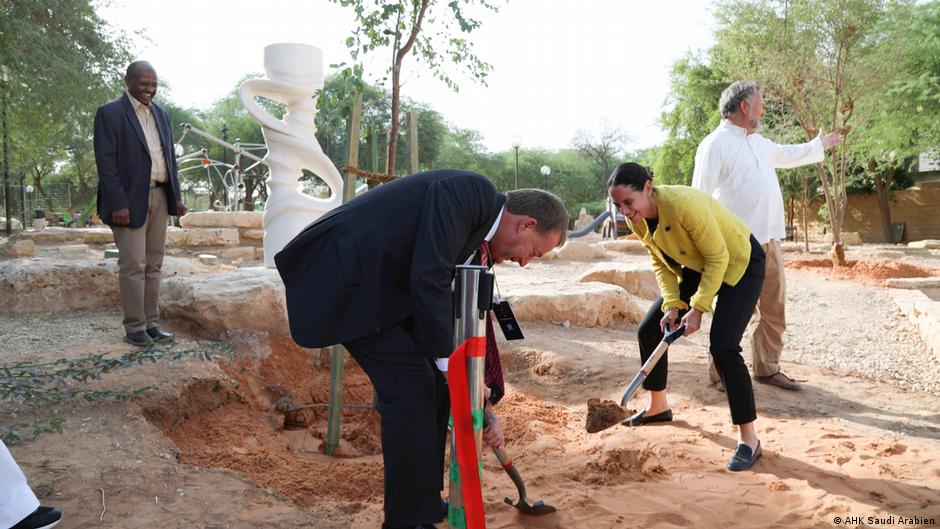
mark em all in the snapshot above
pixel 41 518
pixel 640 418
pixel 157 335
pixel 744 458
pixel 139 338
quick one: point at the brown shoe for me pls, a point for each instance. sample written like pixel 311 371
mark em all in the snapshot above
pixel 780 380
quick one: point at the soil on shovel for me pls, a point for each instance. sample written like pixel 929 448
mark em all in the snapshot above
pixel 602 414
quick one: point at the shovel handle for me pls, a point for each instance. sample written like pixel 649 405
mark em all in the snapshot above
pixel 503 457
pixel 668 338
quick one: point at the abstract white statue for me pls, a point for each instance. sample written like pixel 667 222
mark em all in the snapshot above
pixel 295 73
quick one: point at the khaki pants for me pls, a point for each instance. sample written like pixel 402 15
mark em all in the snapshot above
pixel 767 340
pixel 140 262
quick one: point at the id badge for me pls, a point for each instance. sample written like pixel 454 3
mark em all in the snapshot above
pixel 507 320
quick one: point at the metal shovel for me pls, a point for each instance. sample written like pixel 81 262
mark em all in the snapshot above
pixel 651 362
pixel 538 508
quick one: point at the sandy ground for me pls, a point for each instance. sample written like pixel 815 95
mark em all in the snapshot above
pixel 208 448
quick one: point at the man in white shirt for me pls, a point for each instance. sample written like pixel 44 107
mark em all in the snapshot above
pixel 735 164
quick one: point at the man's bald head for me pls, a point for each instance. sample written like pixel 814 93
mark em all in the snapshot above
pixel 141 81
pixel 137 68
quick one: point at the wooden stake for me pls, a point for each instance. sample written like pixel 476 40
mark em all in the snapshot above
pixel 338 356
pixel 413 139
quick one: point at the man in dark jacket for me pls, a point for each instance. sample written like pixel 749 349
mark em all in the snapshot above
pixel 138 188
pixel 375 274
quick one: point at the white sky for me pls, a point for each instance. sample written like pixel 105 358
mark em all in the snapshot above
pixel 558 65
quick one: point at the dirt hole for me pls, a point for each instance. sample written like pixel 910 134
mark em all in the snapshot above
pixel 239 424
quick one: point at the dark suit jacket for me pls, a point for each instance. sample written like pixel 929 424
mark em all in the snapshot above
pixel 387 255
pixel 123 161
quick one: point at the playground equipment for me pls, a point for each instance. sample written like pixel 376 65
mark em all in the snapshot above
pixel 613 224
pixel 228 177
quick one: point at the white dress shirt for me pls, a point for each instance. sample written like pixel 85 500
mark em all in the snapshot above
pixel 442 362
pixel 737 168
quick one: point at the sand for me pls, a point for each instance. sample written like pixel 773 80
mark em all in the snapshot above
pixel 209 447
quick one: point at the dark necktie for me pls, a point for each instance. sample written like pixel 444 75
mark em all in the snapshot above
pixel 493 371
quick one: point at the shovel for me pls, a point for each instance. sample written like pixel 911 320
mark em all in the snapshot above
pixel 651 362
pixel 536 509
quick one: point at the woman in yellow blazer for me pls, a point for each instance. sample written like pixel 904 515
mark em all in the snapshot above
pixel 705 260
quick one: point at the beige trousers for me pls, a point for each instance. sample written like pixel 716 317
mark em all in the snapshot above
pixel 767 340
pixel 140 262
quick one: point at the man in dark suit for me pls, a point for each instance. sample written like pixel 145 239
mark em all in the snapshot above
pixel 376 273
pixel 138 189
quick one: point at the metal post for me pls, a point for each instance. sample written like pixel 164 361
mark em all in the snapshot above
pixel 338 356
pixel 469 320
pixel 516 147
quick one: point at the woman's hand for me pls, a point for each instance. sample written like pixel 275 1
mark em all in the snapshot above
pixel 692 321
pixel 669 320
pixel 493 433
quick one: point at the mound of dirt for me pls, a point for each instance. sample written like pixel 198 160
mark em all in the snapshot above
pixel 876 271
pixel 603 414
pixel 621 465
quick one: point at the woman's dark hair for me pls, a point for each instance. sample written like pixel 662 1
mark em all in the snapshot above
pixel 631 175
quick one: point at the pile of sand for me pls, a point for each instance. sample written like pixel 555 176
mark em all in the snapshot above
pixel 869 271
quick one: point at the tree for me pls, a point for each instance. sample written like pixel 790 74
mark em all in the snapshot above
pixel 691 114
pixel 604 147
pixel 819 57
pixel 64 61
pixel 430 28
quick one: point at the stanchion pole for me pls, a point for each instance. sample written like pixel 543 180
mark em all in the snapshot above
pixel 473 299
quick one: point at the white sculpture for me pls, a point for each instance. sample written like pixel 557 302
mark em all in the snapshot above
pixel 295 73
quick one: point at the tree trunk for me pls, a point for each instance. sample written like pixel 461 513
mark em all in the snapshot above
pixel 396 87
pixel 804 202
pixel 882 187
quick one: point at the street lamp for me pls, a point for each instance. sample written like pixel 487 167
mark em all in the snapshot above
pixel 516 142
pixel 4 81
pixel 546 170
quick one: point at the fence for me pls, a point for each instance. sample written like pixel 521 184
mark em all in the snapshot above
pixel 59 203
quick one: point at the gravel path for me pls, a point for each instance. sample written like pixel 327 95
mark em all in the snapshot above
pixel 855 328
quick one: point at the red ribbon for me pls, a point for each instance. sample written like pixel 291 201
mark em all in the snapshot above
pixel 475 346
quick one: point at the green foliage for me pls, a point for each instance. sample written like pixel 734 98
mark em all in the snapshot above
pixel 63 380
pixel 17 433
pixel 63 62
pixel 691 114
pixel 434 30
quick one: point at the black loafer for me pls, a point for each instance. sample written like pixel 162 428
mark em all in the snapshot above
pixel 744 458
pixel 640 418
pixel 41 518
pixel 139 338
pixel 157 335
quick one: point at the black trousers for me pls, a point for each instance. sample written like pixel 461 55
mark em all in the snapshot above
pixel 733 310
pixel 414 406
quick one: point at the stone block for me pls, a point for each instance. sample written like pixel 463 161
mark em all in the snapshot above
pixel 18 248
pixel 208 259
pixel 201 237
pixel 586 305
pixel 623 245
pixel 252 234
pixel 222 219
pixel 238 252
pixel 637 279
pixel 579 251
pixel 929 244
pixel 246 299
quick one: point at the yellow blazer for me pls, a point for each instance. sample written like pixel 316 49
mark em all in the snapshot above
pixel 699 233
